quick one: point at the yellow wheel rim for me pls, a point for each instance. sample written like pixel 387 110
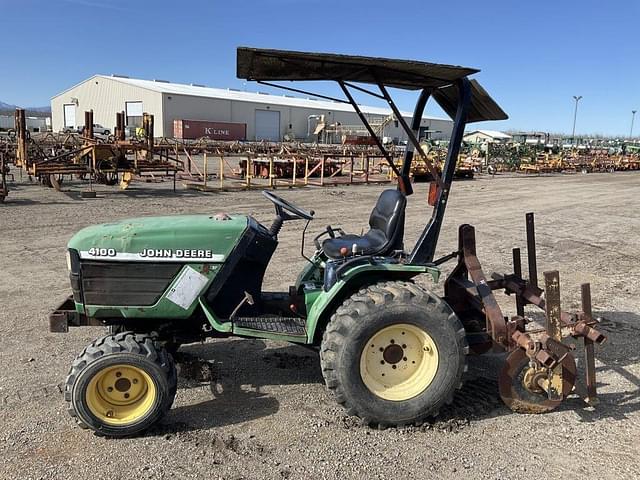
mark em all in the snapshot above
pixel 120 394
pixel 399 362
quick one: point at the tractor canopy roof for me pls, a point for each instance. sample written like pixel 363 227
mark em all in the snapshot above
pixel 264 65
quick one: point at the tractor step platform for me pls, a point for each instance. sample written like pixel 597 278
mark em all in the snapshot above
pixel 283 325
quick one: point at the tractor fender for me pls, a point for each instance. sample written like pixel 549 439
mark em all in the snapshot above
pixel 354 279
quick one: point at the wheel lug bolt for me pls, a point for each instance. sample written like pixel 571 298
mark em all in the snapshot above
pixel 404 346
pixel 109 389
pixel 381 362
pixel 404 358
pixel 393 366
pixel 392 341
pixel 135 380
pixel 118 374
pixel 126 395
pixel 381 349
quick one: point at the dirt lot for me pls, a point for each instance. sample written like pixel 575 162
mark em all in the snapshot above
pixel 259 409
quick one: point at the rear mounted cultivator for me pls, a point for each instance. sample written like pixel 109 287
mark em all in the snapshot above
pixel 540 369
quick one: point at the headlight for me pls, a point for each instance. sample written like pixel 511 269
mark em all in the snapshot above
pixel 68 255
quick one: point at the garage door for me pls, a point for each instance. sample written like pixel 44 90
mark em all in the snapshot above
pixel 267 125
pixel 70 115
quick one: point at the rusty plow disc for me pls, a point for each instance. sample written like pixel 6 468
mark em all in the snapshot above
pixel 522 387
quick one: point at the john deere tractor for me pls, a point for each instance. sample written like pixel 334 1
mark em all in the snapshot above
pixel 391 351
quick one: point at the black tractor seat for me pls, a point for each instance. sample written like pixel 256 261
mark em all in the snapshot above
pixel 386 230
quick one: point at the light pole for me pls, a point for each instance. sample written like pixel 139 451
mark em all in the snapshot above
pixel 633 114
pixel 575 115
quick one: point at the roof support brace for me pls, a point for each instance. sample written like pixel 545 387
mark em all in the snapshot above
pixel 364 90
pixel 413 140
pixel 425 248
pixel 403 182
pixel 304 92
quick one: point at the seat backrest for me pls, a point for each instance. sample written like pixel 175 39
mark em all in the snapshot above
pixel 388 217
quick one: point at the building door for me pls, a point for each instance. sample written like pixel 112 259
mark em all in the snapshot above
pixel 268 125
pixel 69 115
pixel 134 114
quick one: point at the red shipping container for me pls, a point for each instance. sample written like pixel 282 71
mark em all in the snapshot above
pixel 190 129
pixel 358 140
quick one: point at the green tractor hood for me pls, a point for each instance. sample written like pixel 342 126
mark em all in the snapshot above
pixel 172 238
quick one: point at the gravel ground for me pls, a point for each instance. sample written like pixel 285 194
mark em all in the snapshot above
pixel 259 409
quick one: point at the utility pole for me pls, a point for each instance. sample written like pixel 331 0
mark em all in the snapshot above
pixel 575 115
pixel 633 114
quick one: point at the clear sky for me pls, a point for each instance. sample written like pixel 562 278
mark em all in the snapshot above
pixel 534 55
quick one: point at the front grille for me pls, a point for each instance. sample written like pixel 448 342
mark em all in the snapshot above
pixel 74 275
pixel 125 284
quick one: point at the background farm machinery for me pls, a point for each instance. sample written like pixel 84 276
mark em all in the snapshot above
pixel 118 159
pixel 52 157
pixel 529 159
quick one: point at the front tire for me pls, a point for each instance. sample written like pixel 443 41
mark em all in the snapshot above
pixel 393 354
pixel 121 384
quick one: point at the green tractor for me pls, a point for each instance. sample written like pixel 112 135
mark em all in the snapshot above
pixel 393 353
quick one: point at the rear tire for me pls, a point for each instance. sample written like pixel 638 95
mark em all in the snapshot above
pixel 393 354
pixel 121 384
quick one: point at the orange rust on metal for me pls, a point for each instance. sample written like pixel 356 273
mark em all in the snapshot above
pixel 519 398
pixel 517 271
pixel 589 354
pixel 554 328
pixel 555 349
pixel 524 341
pixel 545 359
pixel 582 329
pixel 515 324
pixel 119 132
pixel 432 197
pixel 22 158
pixel 88 125
pixel 495 319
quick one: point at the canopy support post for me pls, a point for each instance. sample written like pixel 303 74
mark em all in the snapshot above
pixel 425 247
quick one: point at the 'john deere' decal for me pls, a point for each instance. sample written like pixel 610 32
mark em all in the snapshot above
pixel 198 254
pixel 152 255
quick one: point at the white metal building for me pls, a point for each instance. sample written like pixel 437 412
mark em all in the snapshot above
pixel 268 117
pixel 34 124
pixel 486 136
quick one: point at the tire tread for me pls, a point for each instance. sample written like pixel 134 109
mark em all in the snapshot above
pixel 361 304
pixel 144 344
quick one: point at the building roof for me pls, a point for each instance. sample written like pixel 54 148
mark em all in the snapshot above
pixel 241 96
pixel 490 133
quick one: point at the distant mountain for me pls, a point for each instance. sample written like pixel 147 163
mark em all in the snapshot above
pixel 7 108
pixel 46 109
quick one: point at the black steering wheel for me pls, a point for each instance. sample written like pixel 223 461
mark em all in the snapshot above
pixel 282 205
